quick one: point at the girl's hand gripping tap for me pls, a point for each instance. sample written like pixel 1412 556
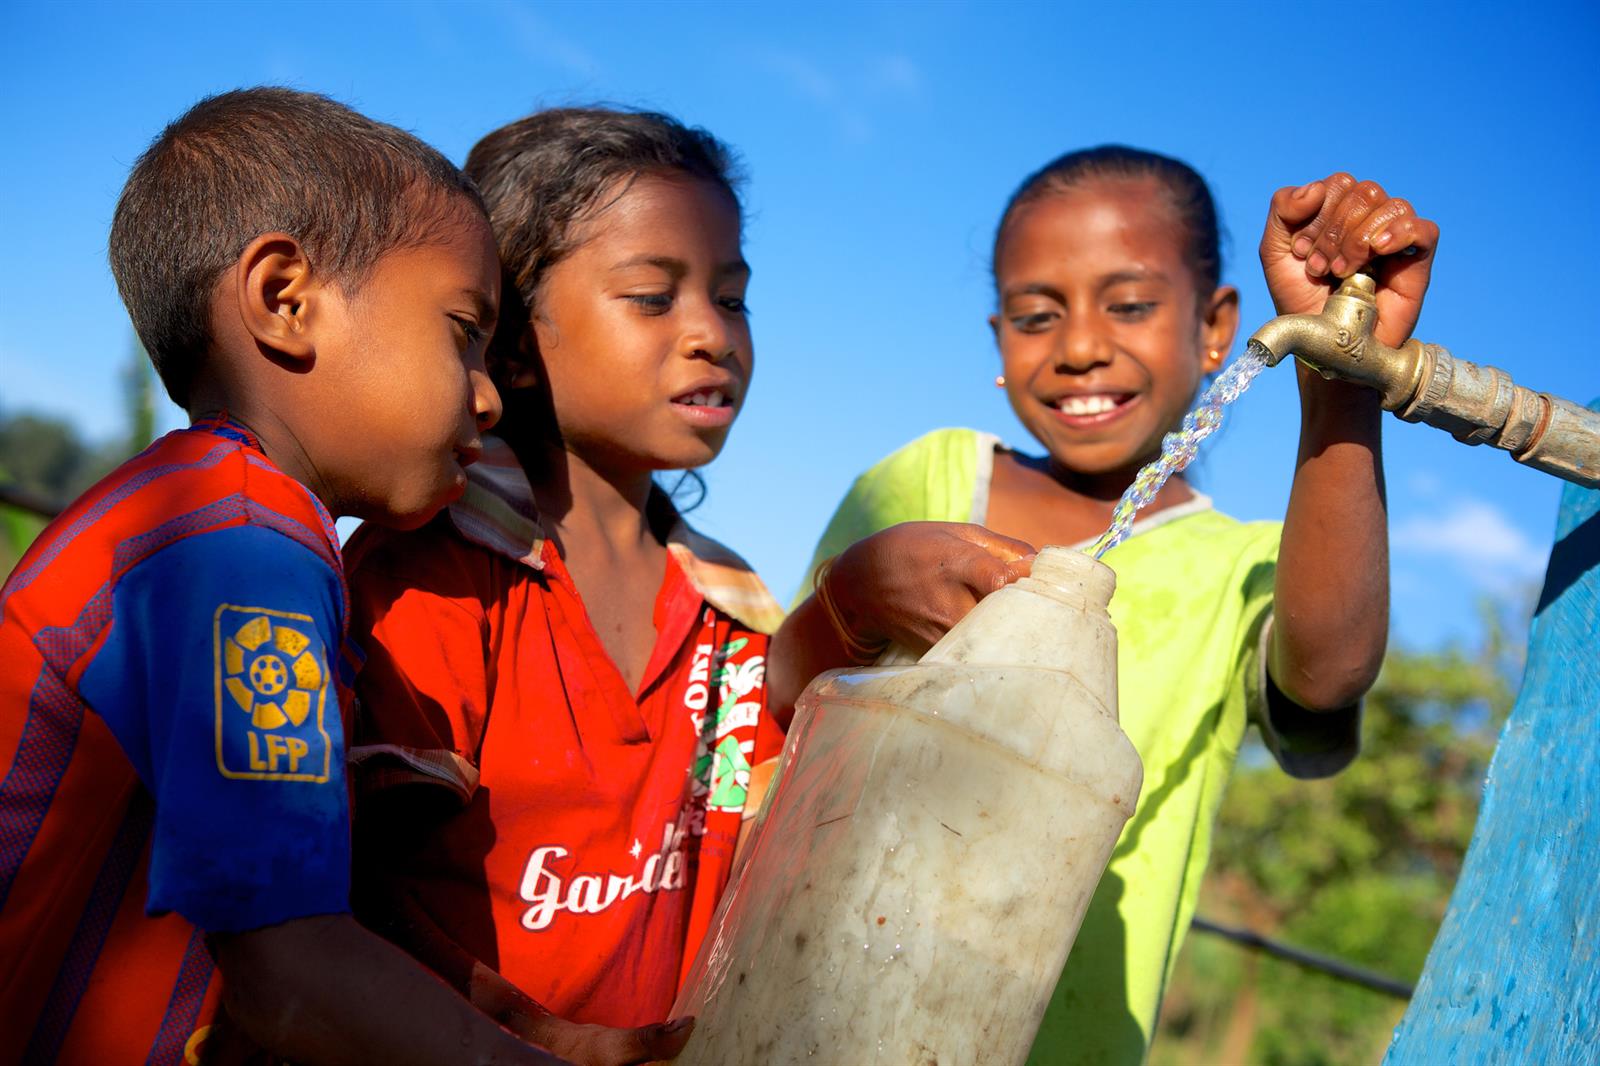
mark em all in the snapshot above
pixel 1321 233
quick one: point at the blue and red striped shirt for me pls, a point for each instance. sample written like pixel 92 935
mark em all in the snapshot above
pixel 173 669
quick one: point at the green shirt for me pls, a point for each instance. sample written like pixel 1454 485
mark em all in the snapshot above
pixel 1192 610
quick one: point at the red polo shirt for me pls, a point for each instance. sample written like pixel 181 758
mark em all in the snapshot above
pixel 592 828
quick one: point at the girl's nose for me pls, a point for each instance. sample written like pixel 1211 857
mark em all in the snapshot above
pixel 1082 347
pixel 485 400
pixel 708 335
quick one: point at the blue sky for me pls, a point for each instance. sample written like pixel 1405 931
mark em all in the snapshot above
pixel 881 141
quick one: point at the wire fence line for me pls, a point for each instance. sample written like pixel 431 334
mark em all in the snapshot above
pixel 23 500
pixel 1338 969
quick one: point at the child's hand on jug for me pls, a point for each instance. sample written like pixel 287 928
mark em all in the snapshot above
pixel 1319 234
pixel 601 1045
pixel 908 584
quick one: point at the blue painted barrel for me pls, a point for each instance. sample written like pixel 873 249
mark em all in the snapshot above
pixel 1514 975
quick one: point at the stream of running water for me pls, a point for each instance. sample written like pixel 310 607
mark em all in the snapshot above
pixel 1178 448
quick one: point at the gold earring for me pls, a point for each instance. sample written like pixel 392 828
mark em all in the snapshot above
pixel 1214 355
pixel 999 381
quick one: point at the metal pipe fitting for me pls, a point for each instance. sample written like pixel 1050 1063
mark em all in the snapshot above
pixel 1425 383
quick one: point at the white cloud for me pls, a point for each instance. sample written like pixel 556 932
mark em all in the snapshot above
pixel 900 74
pixel 804 76
pixel 1424 483
pixel 833 95
pixel 542 41
pixel 1477 536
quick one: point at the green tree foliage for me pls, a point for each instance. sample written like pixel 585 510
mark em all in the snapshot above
pixel 1358 867
pixel 45 459
pixel 17 530
pixel 139 399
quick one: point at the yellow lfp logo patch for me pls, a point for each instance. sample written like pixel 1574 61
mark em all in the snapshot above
pixel 272 684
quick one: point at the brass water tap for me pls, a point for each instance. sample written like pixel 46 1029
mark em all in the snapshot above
pixel 1425 383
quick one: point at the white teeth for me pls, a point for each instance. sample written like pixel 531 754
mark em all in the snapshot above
pixel 702 398
pixel 1086 405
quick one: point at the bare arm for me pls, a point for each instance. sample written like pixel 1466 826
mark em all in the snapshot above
pixel 1331 600
pixel 325 990
pixel 804 646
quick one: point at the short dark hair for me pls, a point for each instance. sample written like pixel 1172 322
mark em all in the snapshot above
pixel 254 161
pixel 1186 192
pixel 542 174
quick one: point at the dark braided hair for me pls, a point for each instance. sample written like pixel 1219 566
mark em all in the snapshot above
pixel 1185 190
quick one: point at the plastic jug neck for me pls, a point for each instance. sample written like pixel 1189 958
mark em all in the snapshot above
pixel 1071 576
pixel 1037 621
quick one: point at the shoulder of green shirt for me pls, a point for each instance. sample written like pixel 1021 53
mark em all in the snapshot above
pixel 913 483
pixel 927 479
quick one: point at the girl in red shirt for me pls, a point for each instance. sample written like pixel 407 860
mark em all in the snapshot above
pixel 566 686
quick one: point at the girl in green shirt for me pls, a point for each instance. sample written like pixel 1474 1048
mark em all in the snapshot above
pixel 1110 313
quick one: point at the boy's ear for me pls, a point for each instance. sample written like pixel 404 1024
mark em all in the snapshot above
pixel 277 295
pixel 1219 321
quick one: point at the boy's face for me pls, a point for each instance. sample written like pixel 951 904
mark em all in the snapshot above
pixel 642 329
pixel 404 381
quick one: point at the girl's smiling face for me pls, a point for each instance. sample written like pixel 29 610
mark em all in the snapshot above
pixel 641 328
pixel 1103 336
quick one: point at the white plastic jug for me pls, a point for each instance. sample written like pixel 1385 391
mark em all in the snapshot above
pixel 926 854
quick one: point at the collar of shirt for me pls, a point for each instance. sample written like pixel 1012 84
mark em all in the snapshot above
pixel 223 424
pixel 497 511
